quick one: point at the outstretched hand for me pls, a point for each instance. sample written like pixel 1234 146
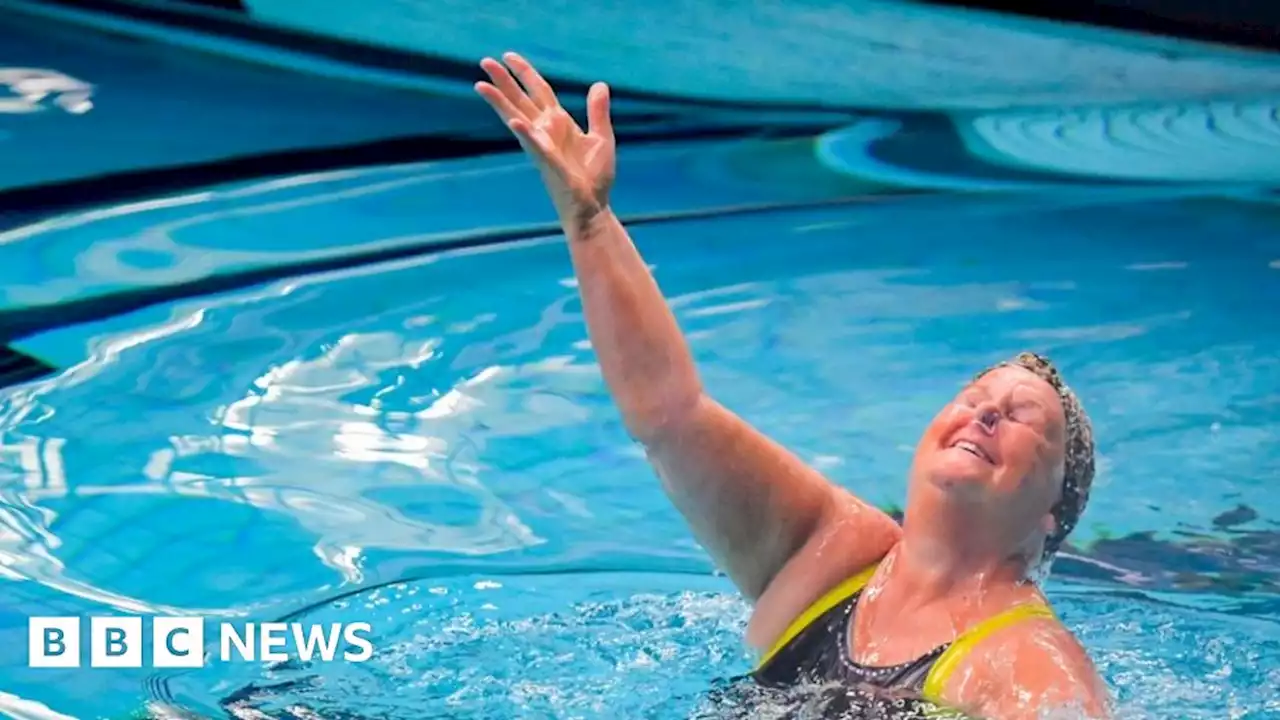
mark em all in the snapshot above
pixel 578 167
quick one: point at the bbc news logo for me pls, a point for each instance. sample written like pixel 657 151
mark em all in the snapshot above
pixel 178 642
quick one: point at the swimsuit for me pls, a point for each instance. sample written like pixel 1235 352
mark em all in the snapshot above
pixel 814 650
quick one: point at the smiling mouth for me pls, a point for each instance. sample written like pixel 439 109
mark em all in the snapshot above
pixel 973 449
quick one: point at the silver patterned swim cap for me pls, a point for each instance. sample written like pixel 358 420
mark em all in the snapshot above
pixel 1077 477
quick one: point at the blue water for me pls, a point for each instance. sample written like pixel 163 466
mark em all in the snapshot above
pixel 125 79
pixel 425 443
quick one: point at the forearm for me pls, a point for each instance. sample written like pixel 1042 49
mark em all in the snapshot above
pixel 643 355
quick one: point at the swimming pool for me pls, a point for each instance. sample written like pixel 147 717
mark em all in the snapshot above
pixel 389 424
pixel 322 417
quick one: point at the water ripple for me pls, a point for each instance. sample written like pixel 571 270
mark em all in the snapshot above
pixel 475 647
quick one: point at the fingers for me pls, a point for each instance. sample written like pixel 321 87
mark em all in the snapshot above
pixel 536 142
pixel 517 100
pixel 539 89
pixel 498 102
pixel 598 120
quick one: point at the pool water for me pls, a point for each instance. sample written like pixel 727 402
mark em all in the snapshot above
pixel 367 395
pixel 435 432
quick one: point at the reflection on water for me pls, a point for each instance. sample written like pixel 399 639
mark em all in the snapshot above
pixel 30 90
pixel 285 445
pixel 155 106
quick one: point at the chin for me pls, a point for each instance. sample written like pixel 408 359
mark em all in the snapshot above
pixel 954 483
pixel 960 462
pixel 956 479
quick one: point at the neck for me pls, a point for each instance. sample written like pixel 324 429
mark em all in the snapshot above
pixel 946 553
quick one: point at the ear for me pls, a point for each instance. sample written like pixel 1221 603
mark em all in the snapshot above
pixel 1049 524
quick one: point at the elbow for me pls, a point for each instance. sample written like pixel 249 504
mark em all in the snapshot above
pixel 653 420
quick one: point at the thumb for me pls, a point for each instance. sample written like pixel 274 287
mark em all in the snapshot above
pixel 598 121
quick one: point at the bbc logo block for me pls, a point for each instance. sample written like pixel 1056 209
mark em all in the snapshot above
pixel 53 642
pixel 115 642
pixel 179 642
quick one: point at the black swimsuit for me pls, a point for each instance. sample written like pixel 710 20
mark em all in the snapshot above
pixel 820 654
pixel 809 672
pixel 811 675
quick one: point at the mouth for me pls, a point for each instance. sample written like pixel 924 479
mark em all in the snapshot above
pixel 973 449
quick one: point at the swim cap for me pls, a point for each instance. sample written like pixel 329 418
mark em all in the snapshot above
pixel 1077 477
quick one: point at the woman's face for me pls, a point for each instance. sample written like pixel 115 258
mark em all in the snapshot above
pixel 999 447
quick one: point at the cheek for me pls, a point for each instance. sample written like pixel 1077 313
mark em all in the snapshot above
pixel 1026 458
pixel 1036 474
pixel 946 419
pixel 936 430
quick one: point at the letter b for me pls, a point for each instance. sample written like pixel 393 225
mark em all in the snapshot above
pixel 53 642
pixel 115 642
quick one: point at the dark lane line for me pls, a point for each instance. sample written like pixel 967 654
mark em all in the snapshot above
pixel 24 204
pixel 16 324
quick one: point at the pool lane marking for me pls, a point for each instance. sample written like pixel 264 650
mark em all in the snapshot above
pixel 16 324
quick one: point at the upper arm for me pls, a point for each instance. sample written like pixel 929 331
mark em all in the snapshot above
pixel 1027 669
pixel 849 538
pixel 782 532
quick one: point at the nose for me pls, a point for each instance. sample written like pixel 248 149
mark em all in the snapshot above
pixel 988 418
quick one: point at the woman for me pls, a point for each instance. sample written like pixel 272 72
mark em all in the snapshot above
pixel 940 607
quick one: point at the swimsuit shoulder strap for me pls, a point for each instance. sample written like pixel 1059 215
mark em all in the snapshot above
pixel 950 659
pixel 822 606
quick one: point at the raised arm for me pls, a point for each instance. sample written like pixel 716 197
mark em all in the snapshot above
pixel 761 512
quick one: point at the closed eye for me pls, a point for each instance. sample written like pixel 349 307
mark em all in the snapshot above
pixel 1028 414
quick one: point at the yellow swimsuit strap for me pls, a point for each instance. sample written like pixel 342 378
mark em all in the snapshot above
pixel 834 597
pixel 936 682
pixel 947 663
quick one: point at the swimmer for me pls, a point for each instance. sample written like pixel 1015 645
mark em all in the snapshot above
pixel 944 605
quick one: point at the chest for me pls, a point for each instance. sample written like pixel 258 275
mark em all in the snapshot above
pixel 881 632
pixel 824 652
